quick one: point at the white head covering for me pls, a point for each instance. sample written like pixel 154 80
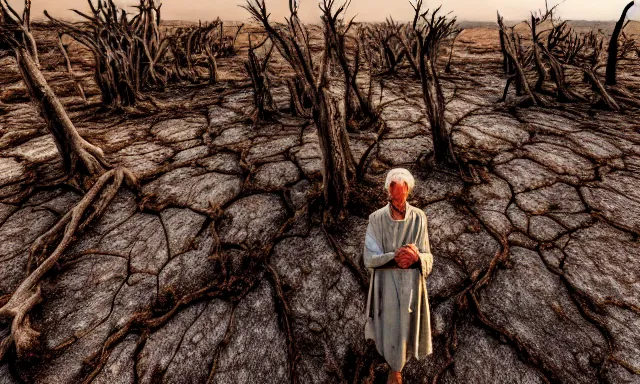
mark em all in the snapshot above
pixel 399 175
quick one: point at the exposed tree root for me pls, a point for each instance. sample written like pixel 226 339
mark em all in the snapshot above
pixel 344 259
pixel 452 341
pixel 223 344
pixel 362 164
pixel 28 294
pixel 233 290
pixel 285 317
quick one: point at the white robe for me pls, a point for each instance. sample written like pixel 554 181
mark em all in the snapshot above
pixel 397 313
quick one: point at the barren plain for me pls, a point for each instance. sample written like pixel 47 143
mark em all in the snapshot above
pixel 218 269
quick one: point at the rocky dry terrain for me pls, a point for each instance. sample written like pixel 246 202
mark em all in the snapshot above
pixel 218 269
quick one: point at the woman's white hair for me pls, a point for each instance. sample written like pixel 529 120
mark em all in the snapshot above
pixel 399 175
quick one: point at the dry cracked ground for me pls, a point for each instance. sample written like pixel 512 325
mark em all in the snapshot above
pixel 218 270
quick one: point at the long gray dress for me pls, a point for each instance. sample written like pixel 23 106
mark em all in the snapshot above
pixel 398 318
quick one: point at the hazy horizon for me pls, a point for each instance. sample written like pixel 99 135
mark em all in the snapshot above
pixel 366 10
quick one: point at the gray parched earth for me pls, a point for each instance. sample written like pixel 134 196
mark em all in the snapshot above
pixel 222 244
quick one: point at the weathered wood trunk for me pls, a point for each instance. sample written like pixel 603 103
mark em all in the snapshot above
pixel 434 101
pixel 262 98
pixel 213 69
pixel 511 51
pixel 77 154
pixel 338 166
pixel 350 75
pixel 542 72
pixel 599 88
pixel 612 59
pixel 505 58
pixel 77 82
pixel 557 75
pixel 299 103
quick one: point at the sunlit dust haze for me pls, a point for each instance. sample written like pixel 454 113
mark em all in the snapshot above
pixel 366 10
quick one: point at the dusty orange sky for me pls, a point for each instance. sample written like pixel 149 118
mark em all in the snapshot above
pixel 367 10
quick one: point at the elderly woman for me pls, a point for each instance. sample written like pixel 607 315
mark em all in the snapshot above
pixel 397 253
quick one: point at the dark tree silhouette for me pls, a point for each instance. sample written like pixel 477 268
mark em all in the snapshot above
pixel 612 59
pixel 257 68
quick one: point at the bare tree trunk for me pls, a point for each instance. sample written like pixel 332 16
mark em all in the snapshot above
pixel 597 85
pixel 612 59
pixel 510 49
pixel 557 75
pixel 77 154
pixel 257 69
pixel 350 76
pixel 213 69
pixel 338 168
pixel 292 42
pixel 542 72
pixel 505 57
pixel 434 101
pixel 298 101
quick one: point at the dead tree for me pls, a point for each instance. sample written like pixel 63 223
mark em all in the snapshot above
pixel 210 42
pixel 20 27
pixel 556 37
pixel 384 40
pixel 257 68
pixel 192 46
pixel 78 155
pixel 337 30
pixel 562 46
pixel 214 43
pixel 180 44
pixel 535 45
pixel 128 52
pixel 292 42
pixel 515 62
pixel 612 59
pixel 592 60
pixel 426 32
pixel 300 102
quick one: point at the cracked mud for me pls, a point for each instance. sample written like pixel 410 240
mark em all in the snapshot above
pixel 221 271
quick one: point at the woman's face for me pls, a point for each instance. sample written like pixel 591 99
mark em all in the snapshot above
pixel 398 192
